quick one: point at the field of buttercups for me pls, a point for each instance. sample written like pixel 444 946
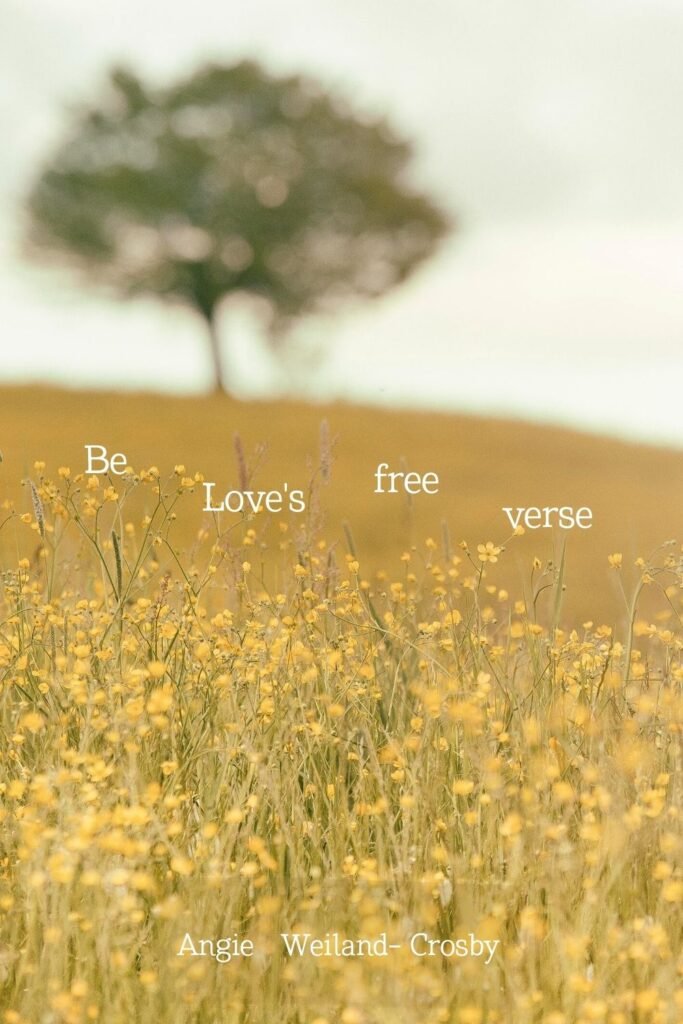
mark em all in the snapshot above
pixel 250 737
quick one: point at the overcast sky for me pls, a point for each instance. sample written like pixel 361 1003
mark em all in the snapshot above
pixel 553 130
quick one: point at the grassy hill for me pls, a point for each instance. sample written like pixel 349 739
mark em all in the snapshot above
pixel 635 492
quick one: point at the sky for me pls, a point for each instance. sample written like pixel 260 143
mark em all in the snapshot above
pixel 552 131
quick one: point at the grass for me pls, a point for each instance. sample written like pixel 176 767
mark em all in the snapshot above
pixel 243 726
pixel 636 492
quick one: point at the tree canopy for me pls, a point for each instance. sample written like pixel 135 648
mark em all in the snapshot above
pixel 232 181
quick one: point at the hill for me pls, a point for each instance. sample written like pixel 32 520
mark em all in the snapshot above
pixel 635 491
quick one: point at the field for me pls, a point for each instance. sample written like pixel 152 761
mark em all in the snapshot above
pixel 249 726
pixel 636 492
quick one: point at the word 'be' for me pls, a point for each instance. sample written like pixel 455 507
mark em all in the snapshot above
pixel 100 462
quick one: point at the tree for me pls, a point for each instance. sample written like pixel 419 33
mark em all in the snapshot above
pixel 232 181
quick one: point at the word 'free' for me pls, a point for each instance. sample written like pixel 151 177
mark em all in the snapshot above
pixel 411 483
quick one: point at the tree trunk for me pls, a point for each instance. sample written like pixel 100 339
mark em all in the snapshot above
pixel 216 356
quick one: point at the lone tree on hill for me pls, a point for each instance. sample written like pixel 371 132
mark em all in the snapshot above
pixel 232 181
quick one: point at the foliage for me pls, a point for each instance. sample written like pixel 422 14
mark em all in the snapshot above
pixel 233 181
pixel 186 747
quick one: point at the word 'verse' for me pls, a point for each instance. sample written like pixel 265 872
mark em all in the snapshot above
pixel 545 518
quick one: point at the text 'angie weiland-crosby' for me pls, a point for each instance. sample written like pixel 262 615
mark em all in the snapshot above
pixel 332 944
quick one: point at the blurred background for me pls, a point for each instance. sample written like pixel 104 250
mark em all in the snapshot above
pixel 550 132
